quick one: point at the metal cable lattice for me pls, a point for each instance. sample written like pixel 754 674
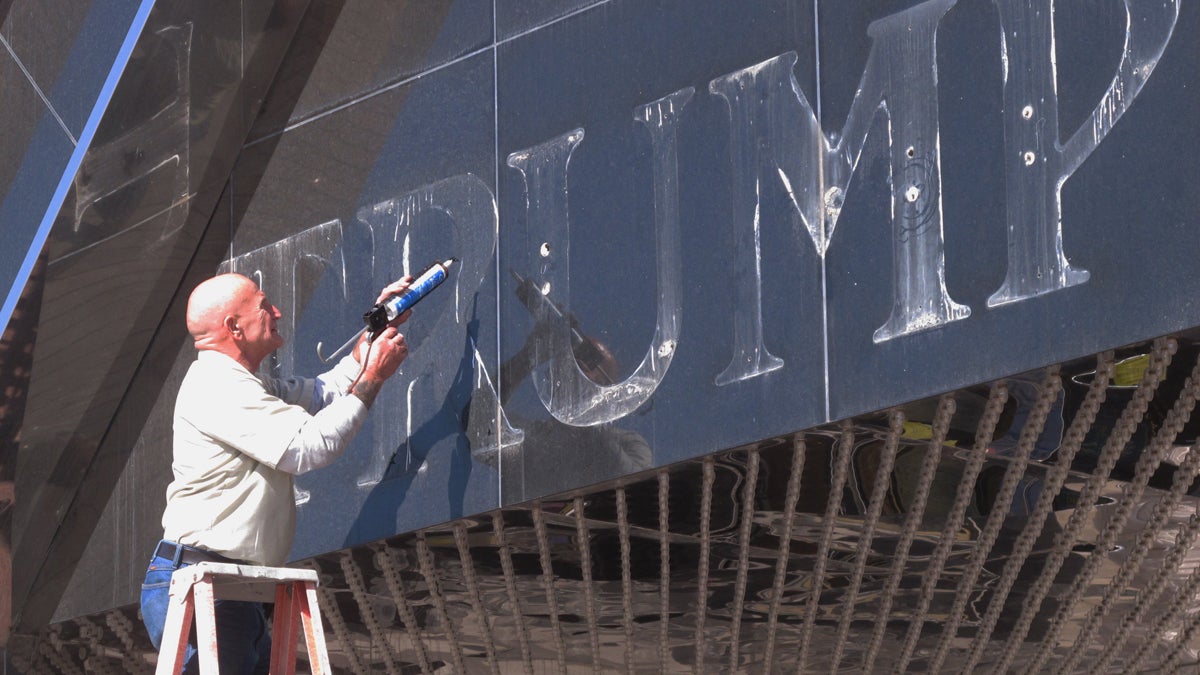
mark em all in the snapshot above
pixel 750 491
pixel 425 560
pixel 916 514
pixel 473 594
pixel 510 588
pixel 1131 494
pixel 584 541
pixel 96 661
pixel 123 628
pixel 626 576
pixel 1172 663
pixel 799 448
pixel 1185 597
pixel 879 489
pixel 664 567
pixel 331 613
pixel 1047 393
pixel 1149 593
pixel 997 397
pixel 539 528
pixel 385 560
pixel 54 651
pixel 1130 417
pixel 702 572
pixel 833 507
pixel 358 589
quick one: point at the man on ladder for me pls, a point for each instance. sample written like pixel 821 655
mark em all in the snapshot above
pixel 238 441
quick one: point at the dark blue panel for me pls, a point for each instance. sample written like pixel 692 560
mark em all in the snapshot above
pixel 327 214
pixel 577 89
pixel 32 157
pixel 42 34
pixel 349 49
pixel 518 16
pixel 1001 123
pixel 69 49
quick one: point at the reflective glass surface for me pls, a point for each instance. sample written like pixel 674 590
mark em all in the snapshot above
pixel 967 532
pixel 339 208
pixel 632 301
pixel 1025 208
pixel 681 227
pixel 517 16
pixel 68 48
pixel 133 228
pixel 349 49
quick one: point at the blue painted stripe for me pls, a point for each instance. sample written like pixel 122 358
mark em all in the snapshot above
pixel 81 148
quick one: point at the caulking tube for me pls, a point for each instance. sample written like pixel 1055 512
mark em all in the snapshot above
pixel 378 317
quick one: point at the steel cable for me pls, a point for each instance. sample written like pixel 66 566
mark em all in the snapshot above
pixel 1047 393
pixel 1130 417
pixel 749 492
pixel 510 588
pixel 997 397
pixel 539 526
pixel 916 514
pixel 358 589
pixel 833 507
pixel 879 489
pixel 385 560
pixel 783 558
pixel 474 595
pixel 1131 494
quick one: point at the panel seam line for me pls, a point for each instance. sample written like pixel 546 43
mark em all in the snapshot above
pixel 33 83
pixel 493 47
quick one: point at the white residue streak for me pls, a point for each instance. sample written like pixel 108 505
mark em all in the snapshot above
pixel 1003 58
pixel 408 402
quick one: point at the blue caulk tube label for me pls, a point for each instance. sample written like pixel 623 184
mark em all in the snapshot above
pixel 389 309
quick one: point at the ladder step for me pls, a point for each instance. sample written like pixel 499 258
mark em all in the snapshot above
pixel 195 588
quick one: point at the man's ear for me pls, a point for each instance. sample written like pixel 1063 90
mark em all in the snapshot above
pixel 231 326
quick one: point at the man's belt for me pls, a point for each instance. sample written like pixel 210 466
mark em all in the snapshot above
pixel 191 555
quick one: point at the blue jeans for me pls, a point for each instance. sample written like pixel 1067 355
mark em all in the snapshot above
pixel 243 643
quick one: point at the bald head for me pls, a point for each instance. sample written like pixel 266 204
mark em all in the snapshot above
pixel 213 300
pixel 229 314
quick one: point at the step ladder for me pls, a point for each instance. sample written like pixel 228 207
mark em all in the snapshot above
pixel 193 589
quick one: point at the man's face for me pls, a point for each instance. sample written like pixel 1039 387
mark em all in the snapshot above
pixel 258 319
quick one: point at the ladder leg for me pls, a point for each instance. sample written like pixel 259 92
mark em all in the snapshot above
pixel 283 632
pixel 314 633
pixel 175 631
pixel 206 626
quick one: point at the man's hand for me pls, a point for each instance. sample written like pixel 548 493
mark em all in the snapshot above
pixel 396 288
pixel 387 351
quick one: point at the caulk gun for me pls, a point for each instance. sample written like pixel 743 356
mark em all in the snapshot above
pixel 378 317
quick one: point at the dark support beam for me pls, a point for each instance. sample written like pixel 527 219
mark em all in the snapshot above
pixel 88 469
pixel 16 366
